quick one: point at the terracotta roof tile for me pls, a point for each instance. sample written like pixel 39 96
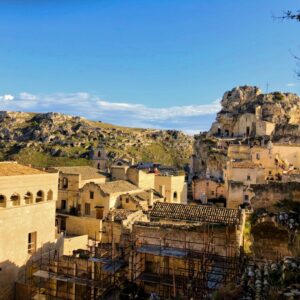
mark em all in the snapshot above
pixel 195 213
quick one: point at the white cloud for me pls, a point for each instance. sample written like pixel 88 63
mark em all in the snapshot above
pixel 291 84
pixel 186 117
pixel 6 97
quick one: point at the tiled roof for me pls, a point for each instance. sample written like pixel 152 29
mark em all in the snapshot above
pixel 86 172
pixel 15 169
pixel 195 213
pixel 118 186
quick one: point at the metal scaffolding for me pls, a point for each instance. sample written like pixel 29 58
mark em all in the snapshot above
pixel 88 274
pixel 173 268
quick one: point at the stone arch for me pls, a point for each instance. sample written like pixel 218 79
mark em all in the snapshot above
pixel 15 199
pixel 39 196
pixel 28 198
pixel 49 195
pixel 2 201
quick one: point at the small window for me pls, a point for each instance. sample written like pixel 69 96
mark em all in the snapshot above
pixel 91 195
pixel 63 204
pixel 175 195
pixel 248 177
pixel 212 192
pixel 87 209
pixel 65 183
pixel 2 201
pixel 127 200
pixel 99 154
pixel 270 172
pixel 32 242
pixel 246 198
pixel 207 183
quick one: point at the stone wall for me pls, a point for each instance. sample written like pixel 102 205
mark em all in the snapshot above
pixel 269 194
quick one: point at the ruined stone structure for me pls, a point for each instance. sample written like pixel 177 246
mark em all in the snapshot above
pixel 182 245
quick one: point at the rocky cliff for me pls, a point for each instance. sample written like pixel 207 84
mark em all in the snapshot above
pixel 282 109
pixel 272 116
pixel 57 139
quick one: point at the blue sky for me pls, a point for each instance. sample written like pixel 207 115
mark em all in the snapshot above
pixel 149 63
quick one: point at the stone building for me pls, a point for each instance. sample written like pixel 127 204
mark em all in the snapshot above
pixel 71 179
pixel 94 202
pixel 208 189
pixel 238 177
pixel 27 216
pixel 99 158
pixel 170 184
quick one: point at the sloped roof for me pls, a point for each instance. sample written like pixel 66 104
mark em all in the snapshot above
pixel 118 186
pixel 195 213
pixel 145 195
pixel 86 172
pixel 15 169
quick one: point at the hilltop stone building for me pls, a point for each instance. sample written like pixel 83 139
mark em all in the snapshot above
pixel 99 158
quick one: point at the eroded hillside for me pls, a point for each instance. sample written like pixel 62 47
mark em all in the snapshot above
pixel 56 139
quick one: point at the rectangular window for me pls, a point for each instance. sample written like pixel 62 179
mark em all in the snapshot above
pixel 87 209
pixel 32 242
pixel 63 204
pixel 257 156
pixel 207 183
pixel 91 195
pixel 246 198
pixel 248 177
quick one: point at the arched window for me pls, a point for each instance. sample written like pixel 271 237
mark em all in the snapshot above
pixel 175 195
pixel 65 182
pixel 39 196
pixel 28 198
pixel 15 198
pixel 50 195
pixel 98 166
pixel 2 201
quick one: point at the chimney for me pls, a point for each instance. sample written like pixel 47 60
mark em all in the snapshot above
pixel 151 197
pixel 162 190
